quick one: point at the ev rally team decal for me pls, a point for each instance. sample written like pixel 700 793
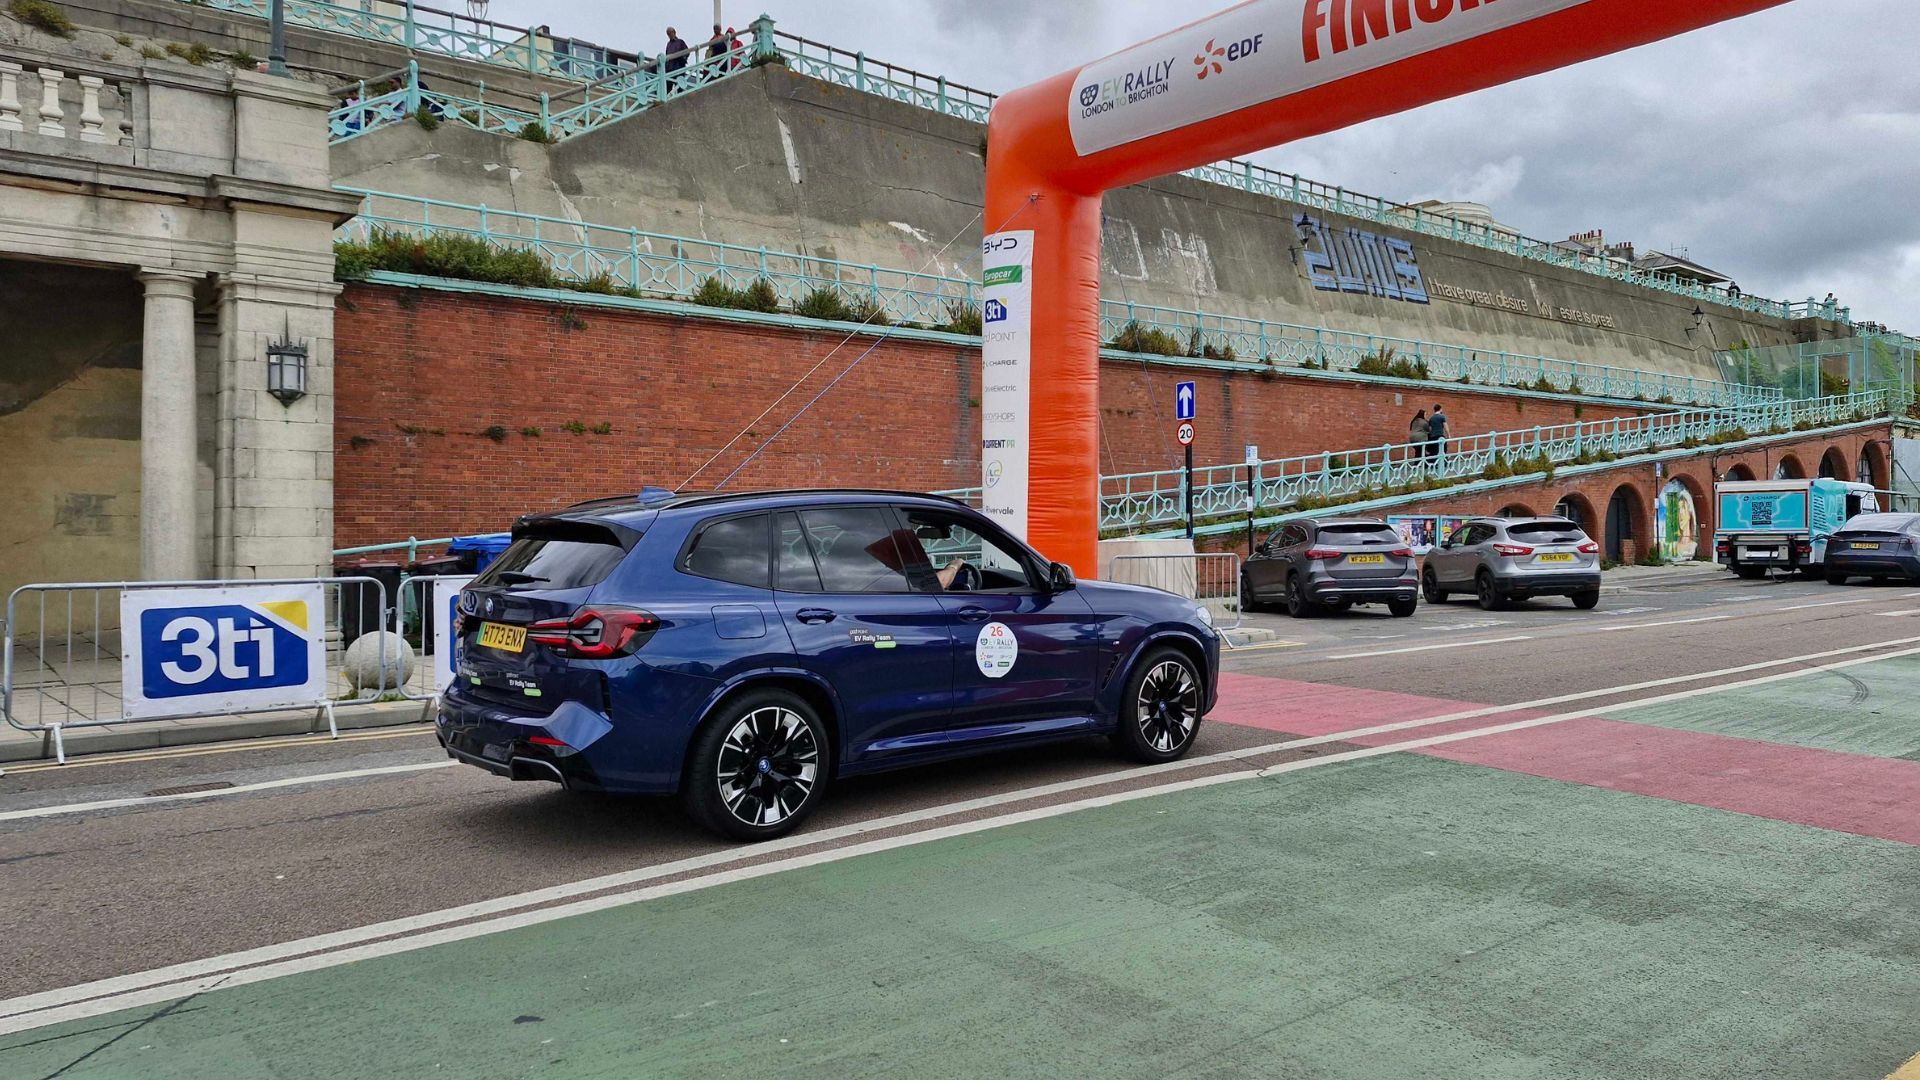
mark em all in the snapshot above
pixel 995 650
pixel 1267 49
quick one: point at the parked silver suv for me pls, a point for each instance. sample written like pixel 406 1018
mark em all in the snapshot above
pixel 1503 559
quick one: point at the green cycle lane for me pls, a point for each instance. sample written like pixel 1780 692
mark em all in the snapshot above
pixel 1871 709
pixel 1399 917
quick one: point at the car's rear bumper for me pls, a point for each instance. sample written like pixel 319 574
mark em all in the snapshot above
pixel 1366 591
pixel 1553 584
pixel 1878 565
pixel 500 742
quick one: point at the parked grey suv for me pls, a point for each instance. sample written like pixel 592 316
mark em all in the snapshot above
pixel 1313 565
pixel 1503 559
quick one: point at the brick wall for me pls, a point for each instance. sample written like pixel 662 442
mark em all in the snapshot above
pixel 422 375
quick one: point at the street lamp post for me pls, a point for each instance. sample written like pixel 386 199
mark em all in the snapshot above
pixel 277 49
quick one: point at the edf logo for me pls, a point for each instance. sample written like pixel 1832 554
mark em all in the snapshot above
pixel 1213 59
pixel 223 648
pixel 996 311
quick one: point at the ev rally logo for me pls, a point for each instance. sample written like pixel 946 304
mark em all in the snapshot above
pixel 1128 89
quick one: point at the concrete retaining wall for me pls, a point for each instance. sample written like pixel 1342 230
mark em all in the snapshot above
pixel 771 158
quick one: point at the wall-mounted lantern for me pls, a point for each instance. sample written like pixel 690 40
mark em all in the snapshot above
pixel 287 369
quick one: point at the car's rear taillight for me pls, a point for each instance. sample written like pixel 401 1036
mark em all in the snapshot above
pixel 1803 547
pixel 1589 548
pixel 1404 552
pixel 1511 550
pixel 596 633
pixel 1323 553
pixel 1723 548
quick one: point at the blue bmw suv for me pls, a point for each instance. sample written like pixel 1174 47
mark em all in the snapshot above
pixel 746 650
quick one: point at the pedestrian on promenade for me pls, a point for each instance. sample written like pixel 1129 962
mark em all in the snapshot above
pixel 1437 433
pixel 717 44
pixel 674 58
pixel 1417 434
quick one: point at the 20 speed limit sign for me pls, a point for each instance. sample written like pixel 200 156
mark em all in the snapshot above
pixel 1185 434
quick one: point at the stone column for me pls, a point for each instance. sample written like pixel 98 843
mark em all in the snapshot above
pixel 168 432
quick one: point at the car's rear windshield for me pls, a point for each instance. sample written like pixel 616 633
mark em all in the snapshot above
pixel 557 557
pixel 1546 530
pixel 1359 532
pixel 1881 523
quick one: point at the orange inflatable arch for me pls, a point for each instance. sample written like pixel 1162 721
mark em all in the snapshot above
pixel 1256 75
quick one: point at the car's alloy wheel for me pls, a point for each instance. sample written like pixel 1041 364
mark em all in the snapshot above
pixel 1298 605
pixel 1161 711
pixel 1403 609
pixel 1587 600
pixel 1247 602
pixel 1487 592
pixel 757 767
pixel 1430 588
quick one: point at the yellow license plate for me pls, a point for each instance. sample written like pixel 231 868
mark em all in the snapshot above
pixel 505 638
pixel 1367 560
pixel 1556 558
pixel 1866 547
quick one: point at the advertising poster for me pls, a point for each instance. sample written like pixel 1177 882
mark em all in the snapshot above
pixel 1420 532
pixel 1006 374
pixel 214 650
pixel 446 602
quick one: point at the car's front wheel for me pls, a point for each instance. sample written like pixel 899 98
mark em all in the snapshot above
pixel 1160 712
pixel 1430 587
pixel 757 767
pixel 1835 577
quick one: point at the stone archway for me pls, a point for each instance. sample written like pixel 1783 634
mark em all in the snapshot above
pixel 1789 468
pixel 1741 472
pixel 1873 466
pixel 1833 465
pixel 1576 508
pixel 1626 528
pixel 1517 510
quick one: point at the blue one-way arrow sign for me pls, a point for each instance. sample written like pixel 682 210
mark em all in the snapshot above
pixel 1184 402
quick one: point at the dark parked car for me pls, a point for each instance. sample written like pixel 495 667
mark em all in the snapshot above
pixel 1876 546
pixel 744 651
pixel 1313 565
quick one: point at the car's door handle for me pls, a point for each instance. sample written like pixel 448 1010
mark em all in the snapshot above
pixel 974 614
pixel 814 615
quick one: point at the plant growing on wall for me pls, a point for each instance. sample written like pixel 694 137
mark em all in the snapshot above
pixel 963 318
pixel 1135 338
pixel 824 303
pixel 425 117
pixel 530 432
pixel 575 427
pixel 602 428
pixel 535 132
pixel 42 15
pixel 497 433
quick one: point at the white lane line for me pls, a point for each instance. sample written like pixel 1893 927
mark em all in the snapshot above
pixel 1897 614
pixel 18 1015
pixel 266 785
pixel 1428 648
pixel 1827 603
pixel 1651 625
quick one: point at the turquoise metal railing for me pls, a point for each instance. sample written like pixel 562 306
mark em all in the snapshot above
pixel 1868 360
pixel 856 71
pixel 1145 500
pixel 424 29
pixel 658 264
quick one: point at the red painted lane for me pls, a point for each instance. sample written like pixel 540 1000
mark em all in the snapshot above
pixel 1851 793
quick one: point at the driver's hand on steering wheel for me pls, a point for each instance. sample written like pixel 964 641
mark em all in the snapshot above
pixel 950 573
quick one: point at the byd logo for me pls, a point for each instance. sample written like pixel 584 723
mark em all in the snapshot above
pixel 996 244
pixel 1213 59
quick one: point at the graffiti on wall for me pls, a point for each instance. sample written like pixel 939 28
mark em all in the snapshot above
pixel 1355 261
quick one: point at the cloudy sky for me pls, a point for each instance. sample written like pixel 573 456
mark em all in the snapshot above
pixel 1782 149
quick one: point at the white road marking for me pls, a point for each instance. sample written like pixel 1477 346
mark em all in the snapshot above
pixel 1827 603
pixel 1428 648
pixel 181 980
pixel 1632 611
pixel 266 785
pixel 1898 614
pixel 96 998
pixel 1651 625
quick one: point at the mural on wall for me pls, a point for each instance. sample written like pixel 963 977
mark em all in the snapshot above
pixel 1356 261
pixel 1679 523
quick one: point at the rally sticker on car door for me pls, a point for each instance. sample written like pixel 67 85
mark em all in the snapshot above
pixel 995 650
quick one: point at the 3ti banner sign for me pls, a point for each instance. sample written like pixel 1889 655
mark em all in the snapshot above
pixel 192 652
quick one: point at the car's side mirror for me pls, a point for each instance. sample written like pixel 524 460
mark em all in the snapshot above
pixel 1060 578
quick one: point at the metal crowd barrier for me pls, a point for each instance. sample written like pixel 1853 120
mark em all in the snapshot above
pixel 94 654
pixel 426 620
pixel 1211 579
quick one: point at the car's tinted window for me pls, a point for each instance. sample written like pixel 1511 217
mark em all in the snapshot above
pixel 555 559
pixel 1473 534
pixel 1883 523
pixel 856 549
pixel 733 549
pixel 1358 533
pixel 1543 532
pixel 1293 535
pixel 797 571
